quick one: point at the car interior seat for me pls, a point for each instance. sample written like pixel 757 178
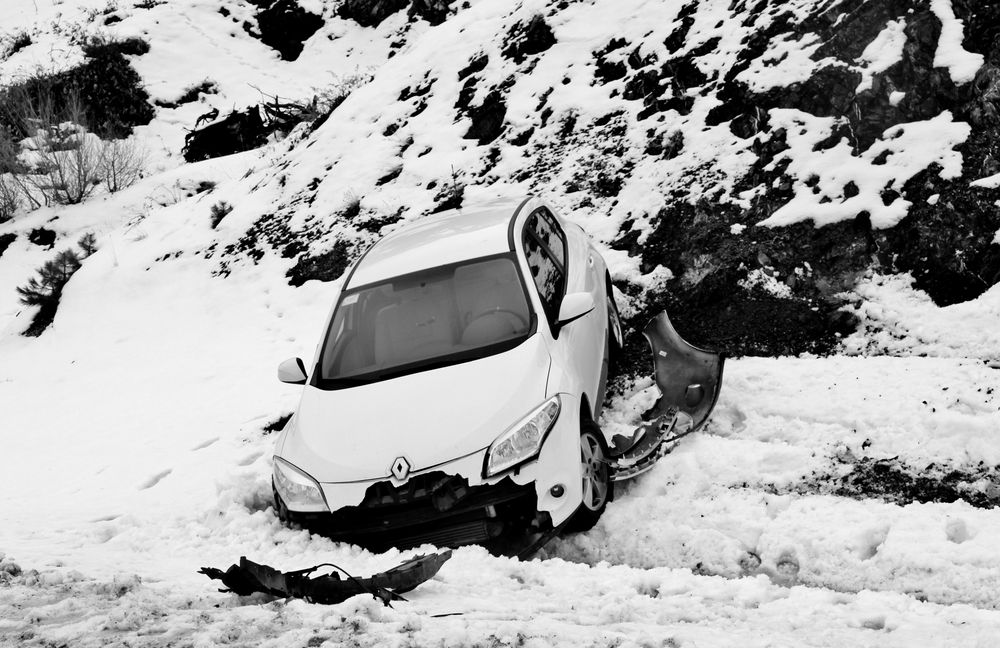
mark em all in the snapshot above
pixel 491 303
pixel 418 326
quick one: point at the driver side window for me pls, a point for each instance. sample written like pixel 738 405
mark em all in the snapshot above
pixel 545 250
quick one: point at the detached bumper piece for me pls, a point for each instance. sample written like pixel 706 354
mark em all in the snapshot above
pixel 248 577
pixel 689 380
pixel 434 508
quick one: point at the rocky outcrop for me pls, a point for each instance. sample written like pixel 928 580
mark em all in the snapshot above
pixel 370 13
pixel 756 289
pixel 285 26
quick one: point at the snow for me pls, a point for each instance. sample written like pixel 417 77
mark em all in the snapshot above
pixel 911 148
pixel 961 64
pixel 882 53
pixel 897 319
pixel 134 428
pixel 989 182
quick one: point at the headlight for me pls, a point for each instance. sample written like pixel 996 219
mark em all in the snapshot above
pixel 299 491
pixel 524 440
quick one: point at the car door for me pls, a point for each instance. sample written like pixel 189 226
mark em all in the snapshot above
pixel 558 266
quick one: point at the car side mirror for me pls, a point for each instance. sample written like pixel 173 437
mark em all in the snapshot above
pixel 574 306
pixel 292 371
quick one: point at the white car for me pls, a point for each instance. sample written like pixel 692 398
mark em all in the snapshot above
pixel 456 390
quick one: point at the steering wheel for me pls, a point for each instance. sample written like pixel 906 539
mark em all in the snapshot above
pixel 520 318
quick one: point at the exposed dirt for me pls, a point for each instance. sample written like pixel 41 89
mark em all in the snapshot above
pixel 326 266
pixel 899 483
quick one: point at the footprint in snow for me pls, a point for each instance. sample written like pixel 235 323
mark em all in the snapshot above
pixel 105 518
pixel 749 563
pixel 957 531
pixel 155 479
pixel 786 569
pixel 205 444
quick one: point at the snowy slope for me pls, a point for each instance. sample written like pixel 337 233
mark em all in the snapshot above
pixel 841 500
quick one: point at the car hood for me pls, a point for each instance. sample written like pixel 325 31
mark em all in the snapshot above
pixel 429 417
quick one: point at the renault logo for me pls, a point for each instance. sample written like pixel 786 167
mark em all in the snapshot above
pixel 400 468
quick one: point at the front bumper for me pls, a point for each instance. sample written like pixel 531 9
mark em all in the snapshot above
pixel 453 504
pixel 434 508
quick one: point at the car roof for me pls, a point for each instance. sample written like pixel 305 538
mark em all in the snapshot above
pixel 450 237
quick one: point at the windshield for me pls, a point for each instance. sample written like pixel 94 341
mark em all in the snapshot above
pixel 426 319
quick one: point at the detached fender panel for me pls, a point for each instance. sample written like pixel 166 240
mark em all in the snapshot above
pixel 689 378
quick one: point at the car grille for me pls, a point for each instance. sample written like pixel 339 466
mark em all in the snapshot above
pixel 434 508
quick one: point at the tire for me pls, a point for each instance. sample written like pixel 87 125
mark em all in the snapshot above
pixel 596 479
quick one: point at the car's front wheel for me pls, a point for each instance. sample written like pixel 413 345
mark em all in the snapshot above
pixel 598 489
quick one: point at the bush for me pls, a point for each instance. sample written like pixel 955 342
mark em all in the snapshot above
pixel 10 198
pixel 106 85
pixel 121 164
pixel 16 43
pixel 87 244
pixel 219 211
pixel 63 163
pixel 45 290
pixel 326 266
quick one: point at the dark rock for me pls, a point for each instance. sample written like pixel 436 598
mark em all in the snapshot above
pixel 476 65
pixel 5 240
pixel 390 176
pixel 42 237
pixel 607 184
pixel 678 37
pixel 375 224
pixel 708 261
pixel 487 119
pixel 981 26
pixel 525 40
pixel 674 145
pixel 522 137
pixel 370 13
pixel 433 11
pixel 858 28
pixel 948 247
pixel 608 70
pixel 285 27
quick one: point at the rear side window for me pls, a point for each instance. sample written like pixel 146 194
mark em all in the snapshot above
pixel 545 250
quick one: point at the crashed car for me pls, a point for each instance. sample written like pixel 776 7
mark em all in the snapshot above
pixel 455 393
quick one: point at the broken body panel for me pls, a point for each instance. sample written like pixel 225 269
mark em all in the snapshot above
pixel 689 380
pixel 249 577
